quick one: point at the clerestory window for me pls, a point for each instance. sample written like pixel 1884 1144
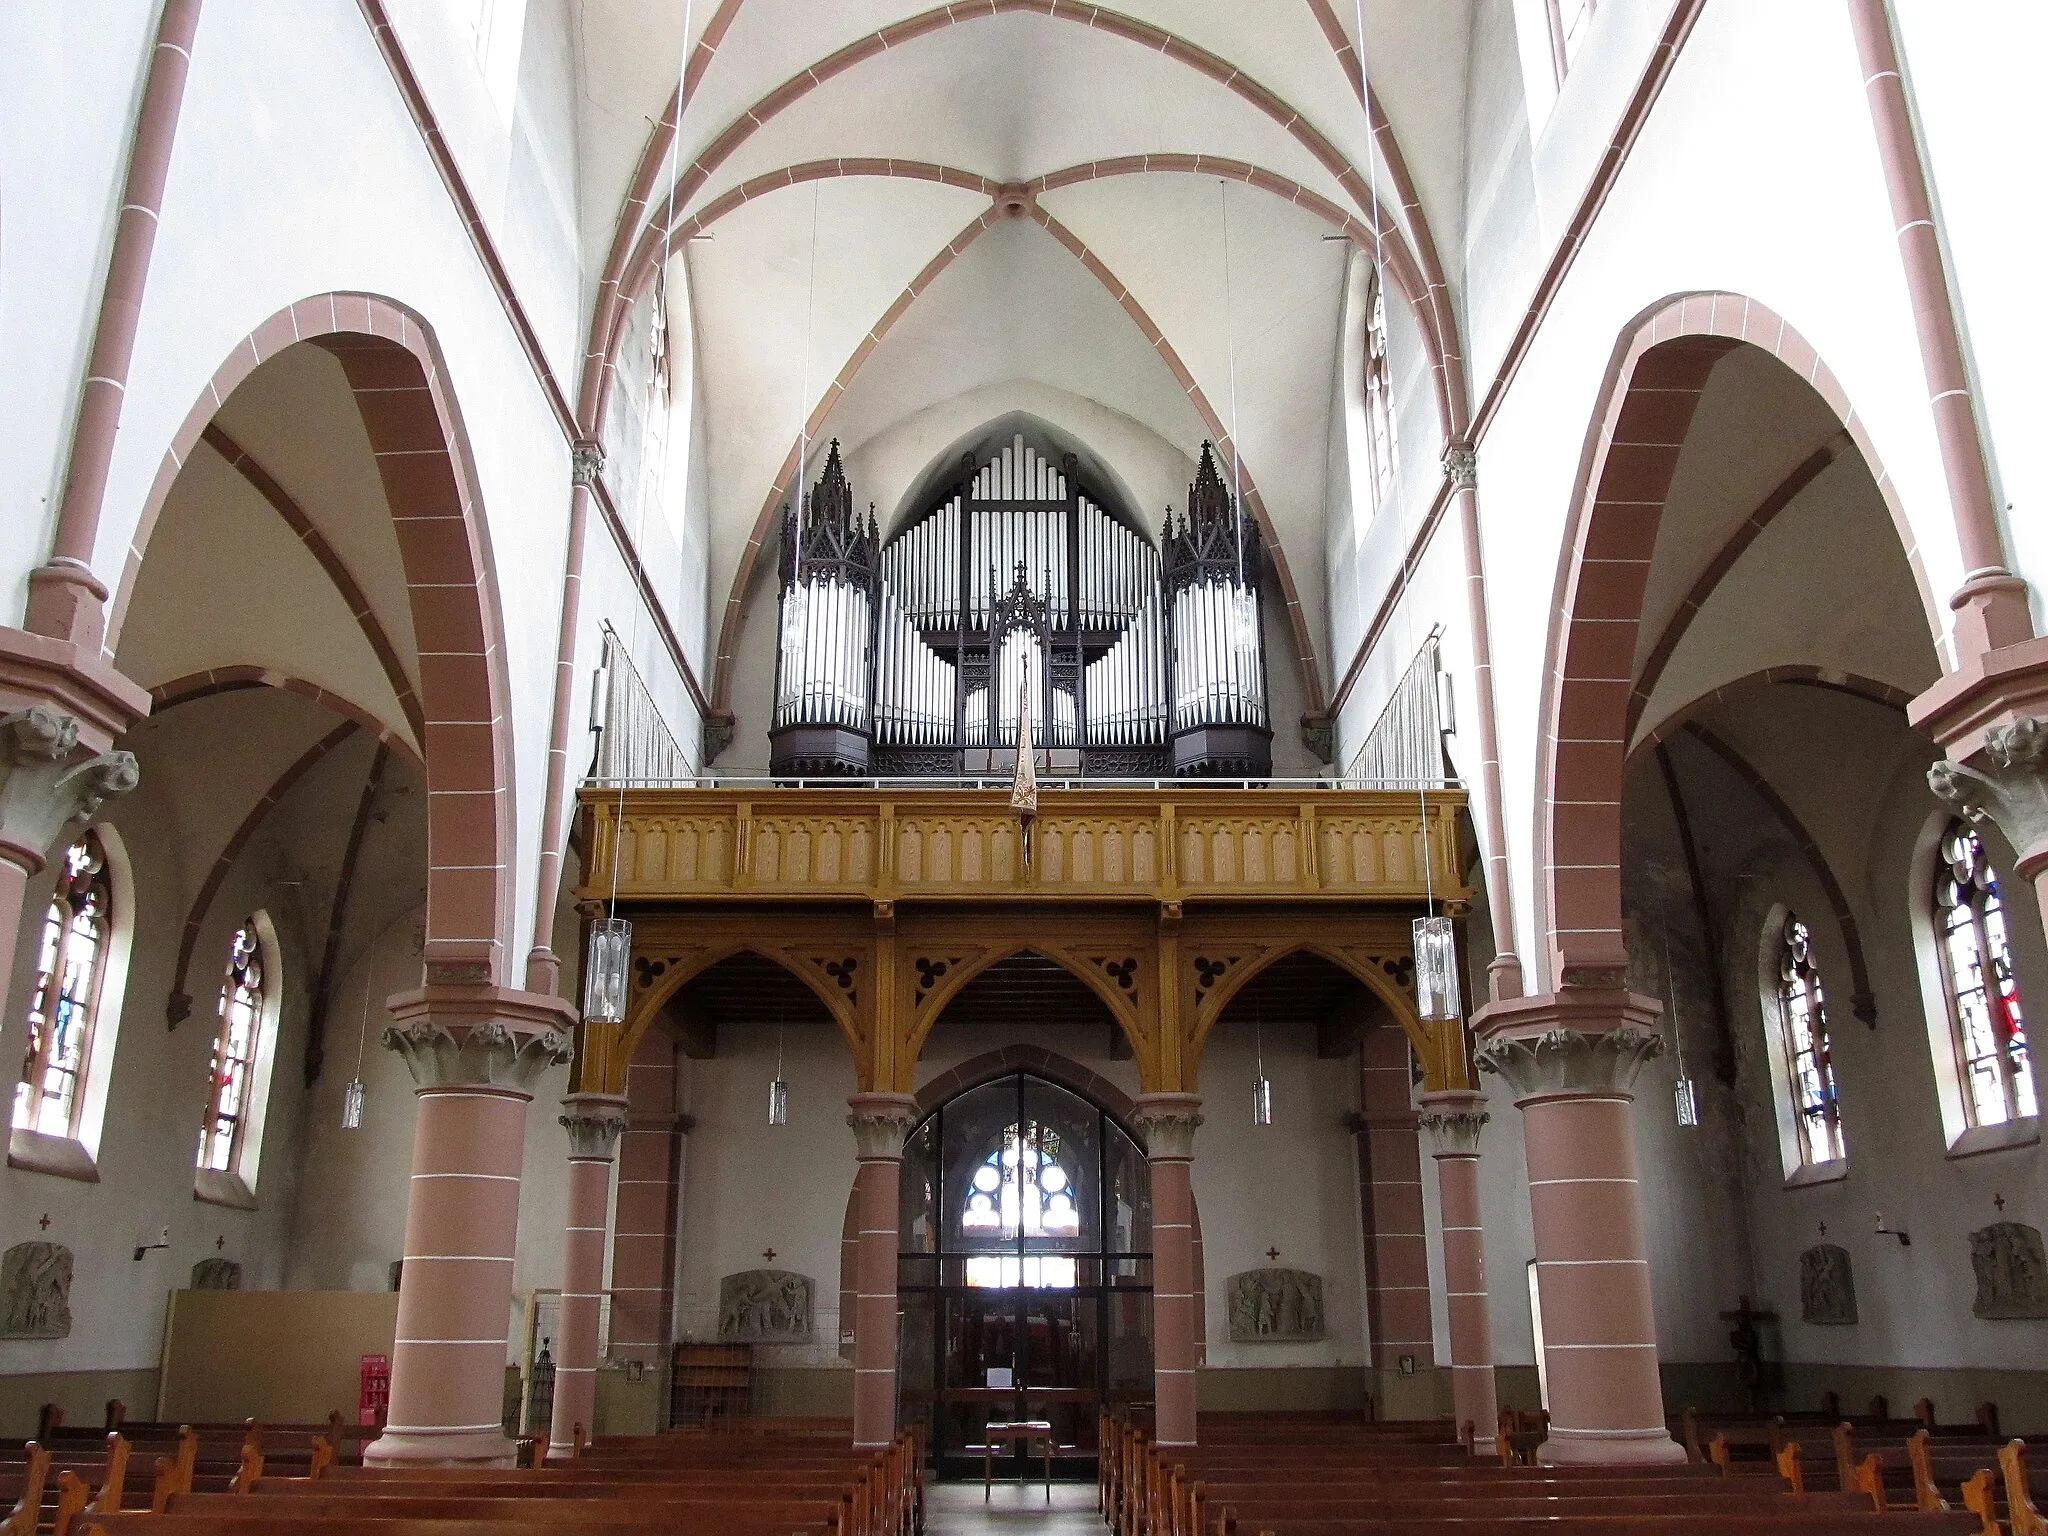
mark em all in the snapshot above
pixel 63 1007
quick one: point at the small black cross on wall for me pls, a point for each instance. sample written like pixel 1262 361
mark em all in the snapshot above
pixel 45 1222
pixel 1823 1229
pixel 1996 1200
pixel 769 1255
pixel 1272 1253
pixel 219 1243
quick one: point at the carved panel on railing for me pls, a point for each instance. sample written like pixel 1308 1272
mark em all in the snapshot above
pixel 1255 853
pixel 824 852
pixel 1382 850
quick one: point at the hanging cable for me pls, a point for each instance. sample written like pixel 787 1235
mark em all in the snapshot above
pixel 609 957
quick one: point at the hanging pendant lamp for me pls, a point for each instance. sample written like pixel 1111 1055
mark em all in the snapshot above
pixel 778 1090
pixel 1262 1086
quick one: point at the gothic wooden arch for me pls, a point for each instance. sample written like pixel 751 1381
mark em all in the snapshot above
pixel 401 387
pixel 1652 388
pixel 660 971
pixel 960 963
pixel 1367 963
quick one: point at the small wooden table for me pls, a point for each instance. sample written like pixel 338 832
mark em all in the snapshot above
pixel 1025 1430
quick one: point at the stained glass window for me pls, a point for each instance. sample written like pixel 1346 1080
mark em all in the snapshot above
pixel 70 961
pixel 1021 1190
pixel 1803 1010
pixel 1379 398
pixel 1983 994
pixel 234 1052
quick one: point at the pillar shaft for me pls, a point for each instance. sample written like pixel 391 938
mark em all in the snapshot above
pixel 879 1121
pixel 593 1122
pixel 1453 1122
pixel 1169 1121
pixel 474 1053
pixel 1572 1080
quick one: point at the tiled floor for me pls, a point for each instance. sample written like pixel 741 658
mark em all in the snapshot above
pixel 956 1509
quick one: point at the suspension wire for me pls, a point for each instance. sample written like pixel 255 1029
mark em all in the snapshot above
pixel 658 325
pixel 1230 348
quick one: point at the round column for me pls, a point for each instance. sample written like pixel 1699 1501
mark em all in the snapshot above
pixel 593 1121
pixel 1453 1121
pixel 1572 1081
pixel 1169 1122
pixel 880 1122
pixel 474 1053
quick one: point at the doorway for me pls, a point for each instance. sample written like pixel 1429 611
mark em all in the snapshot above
pixel 1024 1280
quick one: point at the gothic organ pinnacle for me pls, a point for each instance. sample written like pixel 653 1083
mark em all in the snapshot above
pixel 909 659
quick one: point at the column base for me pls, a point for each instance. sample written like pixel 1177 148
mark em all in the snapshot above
pixel 440 1448
pixel 1614 1448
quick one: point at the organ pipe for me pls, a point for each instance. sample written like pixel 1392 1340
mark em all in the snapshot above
pixel 1138 658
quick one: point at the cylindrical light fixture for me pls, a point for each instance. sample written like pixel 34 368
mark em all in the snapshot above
pixel 778 1102
pixel 352 1105
pixel 1688 1103
pixel 606 966
pixel 1436 968
pixel 1262 1100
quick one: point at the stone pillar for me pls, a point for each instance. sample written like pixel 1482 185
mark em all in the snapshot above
pixel 475 1052
pixel 2010 791
pixel 1168 1122
pixel 1571 1058
pixel 1452 1121
pixel 1390 1211
pixel 593 1121
pixel 644 1223
pixel 880 1121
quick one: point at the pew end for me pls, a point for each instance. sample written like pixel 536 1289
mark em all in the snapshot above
pixel 2020 1511
pixel 28 1510
pixel 72 1493
pixel 1787 1460
pixel 117 1414
pixel 1980 1501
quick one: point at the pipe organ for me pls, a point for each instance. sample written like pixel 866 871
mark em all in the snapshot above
pixel 1018 583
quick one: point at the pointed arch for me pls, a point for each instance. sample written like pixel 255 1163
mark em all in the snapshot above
pixel 401 386
pixel 1644 412
pixel 928 1010
pixel 1352 960
pixel 673 972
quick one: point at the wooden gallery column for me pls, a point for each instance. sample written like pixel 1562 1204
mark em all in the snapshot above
pixel 880 1122
pixel 1571 1058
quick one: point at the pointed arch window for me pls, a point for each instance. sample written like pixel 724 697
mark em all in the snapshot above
pixel 235 1047
pixel 1380 441
pixel 1809 1061
pixel 1985 1018
pixel 63 1007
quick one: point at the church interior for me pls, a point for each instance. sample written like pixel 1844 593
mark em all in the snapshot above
pixel 1239 765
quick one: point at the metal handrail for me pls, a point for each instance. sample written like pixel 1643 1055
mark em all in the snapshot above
pixel 1002 781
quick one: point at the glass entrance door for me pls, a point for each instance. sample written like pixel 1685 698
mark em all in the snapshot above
pixel 1025 1281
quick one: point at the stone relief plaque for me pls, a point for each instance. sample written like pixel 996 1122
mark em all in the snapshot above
pixel 2012 1271
pixel 1276 1306
pixel 216 1275
pixel 765 1306
pixel 1827 1286
pixel 35 1292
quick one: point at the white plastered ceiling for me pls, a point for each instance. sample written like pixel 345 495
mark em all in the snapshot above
pixel 1010 326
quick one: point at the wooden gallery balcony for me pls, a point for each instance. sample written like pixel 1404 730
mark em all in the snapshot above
pixel 1169 844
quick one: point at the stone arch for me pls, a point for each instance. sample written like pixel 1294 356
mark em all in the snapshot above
pixel 1373 978
pixel 928 1011
pixel 401 385
pixel 1645 408
pixel 1050 1065
pixel 679 971
pixel 1064 1072
pixel 1869 689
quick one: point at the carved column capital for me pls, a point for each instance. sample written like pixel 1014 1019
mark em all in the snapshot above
pixel 42 789
pixel 1452 1121
pixel 1461 465
pixel 880 1122
pixel 594 1122
pixel 2010 790
pixel 586 462
pixel 1169 1122
pixel 479 1036
pixel 1570 1061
